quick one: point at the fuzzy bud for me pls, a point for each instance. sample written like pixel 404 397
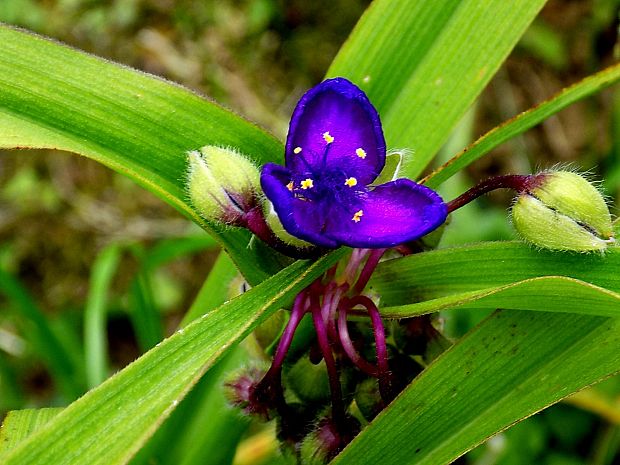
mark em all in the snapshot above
pixel 309 381
pixel 563 211
pixel 239 391
pixel 324 443
pixel 222 184
pixel 368 398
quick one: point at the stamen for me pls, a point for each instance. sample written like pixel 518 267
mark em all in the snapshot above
pixel 307 184
pixel 296 150
pixel 357 217
pixel 360 152
pixel 328 137
pixel 350 182
pixel 290 186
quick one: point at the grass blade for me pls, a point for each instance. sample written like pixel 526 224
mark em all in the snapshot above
pixel 513 365
pixel 111 422
pixel 19 424
pixel 523 122
pixel 472 268
pixel 38 331
pixel 215 290
pixel 52 96
pixel 424 63
pixel 95 334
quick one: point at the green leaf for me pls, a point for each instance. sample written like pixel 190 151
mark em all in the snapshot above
pixel 508 368
pixel 45 341
pixel 203 417
pixel 111 422
pixel 424 63
pixel 472 268
pixel 523 122
pixel 19 424
pixel 215 290
pixel 52 96
pixel 539 294
pixel 203 429
pixel 144 314
pixel 95 334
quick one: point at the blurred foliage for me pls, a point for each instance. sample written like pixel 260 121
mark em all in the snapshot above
pixel 57 213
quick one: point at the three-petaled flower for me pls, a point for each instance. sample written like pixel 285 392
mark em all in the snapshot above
pixel 325 195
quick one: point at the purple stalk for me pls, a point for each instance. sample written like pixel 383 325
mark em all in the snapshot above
pixel 329 313
pixel 349 348
pixel 369 267
pixel 517 182
pixel 334 381
pixel 269 389
pixel 354 263
pixel 382 354
pixel 297 313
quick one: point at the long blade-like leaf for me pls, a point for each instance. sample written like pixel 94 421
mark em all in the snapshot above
pixel 523 122
pixel 111 422
pixel 513 365
pixel 43 338
pixel 19 424
pixel 95 335
pixel 472 268
pixel 52 96
pixel 539 294
pixel 423 63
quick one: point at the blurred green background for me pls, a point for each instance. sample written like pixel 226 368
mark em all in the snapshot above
pixel 73 234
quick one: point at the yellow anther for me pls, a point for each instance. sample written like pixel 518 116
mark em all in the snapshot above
pixel 289 186
pixel 328 137
pixel 350 182
pixel 360 153
pixel 358 216
pixel 307 184
pixel 296 150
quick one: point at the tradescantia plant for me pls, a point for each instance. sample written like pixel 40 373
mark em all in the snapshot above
pixel 558 330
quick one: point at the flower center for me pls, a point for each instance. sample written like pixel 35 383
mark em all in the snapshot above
pixel 330 186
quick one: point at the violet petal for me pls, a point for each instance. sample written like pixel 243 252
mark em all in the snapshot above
pixel 301 218
pixel 390 214
pixel 337 117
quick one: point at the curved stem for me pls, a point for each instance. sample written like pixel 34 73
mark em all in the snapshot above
pixel 349 348
pixel 369 267
pixel 517 182
pixel 385 385
pixel 269 389
pixel 354 263
pixel 334 381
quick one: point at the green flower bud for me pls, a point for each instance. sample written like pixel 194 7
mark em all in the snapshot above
pixel 368 398
pixel 324 443
pixel 563 211
pixel 309 381
pixel 222 184
pixel 239 390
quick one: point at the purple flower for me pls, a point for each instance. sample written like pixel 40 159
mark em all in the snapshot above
pixel 335 149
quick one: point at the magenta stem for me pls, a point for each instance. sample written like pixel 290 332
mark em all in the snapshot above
pixel 354 263
pixel 369 268
pixel 349 348
pixel 330 363
pixel 297 313
pixel 517 182
pixel 381 346
pixel 269 390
